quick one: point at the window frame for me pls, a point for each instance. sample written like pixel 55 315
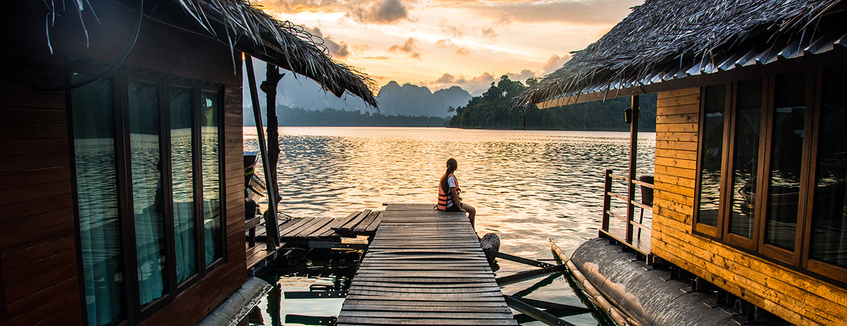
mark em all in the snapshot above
pixel 808 263
pixel 799 258
pixel 132 310
pixel 219 91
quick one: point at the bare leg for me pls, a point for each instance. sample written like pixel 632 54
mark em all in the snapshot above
pixel 471 213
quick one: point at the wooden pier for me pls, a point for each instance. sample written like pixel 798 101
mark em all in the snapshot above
pixel 424 267
pixel 310 232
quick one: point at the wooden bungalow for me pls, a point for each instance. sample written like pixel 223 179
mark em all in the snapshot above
pixel 751 143
pixel 121 177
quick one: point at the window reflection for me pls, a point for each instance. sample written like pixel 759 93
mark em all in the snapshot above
pixel 829 220
pixel 710 159
pixel 745 159
pixel 786 148
pixel 97 199
pixel 147 192
pixel 209 106
pixel 182 178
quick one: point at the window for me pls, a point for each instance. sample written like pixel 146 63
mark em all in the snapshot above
pixel 828 231
pixel 711 154
pixel 778 188
pixel 147 163
pixel 97 201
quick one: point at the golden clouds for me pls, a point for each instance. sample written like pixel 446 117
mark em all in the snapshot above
pixel 448 44
pixel 409 47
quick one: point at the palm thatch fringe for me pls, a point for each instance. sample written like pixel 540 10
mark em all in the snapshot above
pixel 247 28
pixel 662 37
pixel 281 43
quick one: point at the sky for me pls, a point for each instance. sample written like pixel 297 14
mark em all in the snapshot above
pixel 444 43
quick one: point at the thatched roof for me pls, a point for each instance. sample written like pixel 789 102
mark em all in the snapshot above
pixel 281 43
pixel 667 40
pixel 244 27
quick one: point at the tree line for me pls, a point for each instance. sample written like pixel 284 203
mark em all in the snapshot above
pixel 491 111
pixel 299 117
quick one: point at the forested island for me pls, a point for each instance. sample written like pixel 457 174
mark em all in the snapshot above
pixel 297 117
pixel 491 111
pixel 487 111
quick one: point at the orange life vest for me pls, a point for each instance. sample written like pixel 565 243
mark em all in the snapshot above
pixel 444 196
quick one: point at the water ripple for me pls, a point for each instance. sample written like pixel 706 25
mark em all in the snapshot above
pixel 527 186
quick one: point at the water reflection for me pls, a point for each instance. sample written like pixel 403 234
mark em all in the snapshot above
pixel 527 186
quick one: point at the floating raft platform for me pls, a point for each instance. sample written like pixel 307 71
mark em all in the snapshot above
pixel 424 267
pixel 310 232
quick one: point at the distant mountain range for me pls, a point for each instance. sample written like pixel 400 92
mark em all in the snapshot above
pixel 408 99
pixel 419 101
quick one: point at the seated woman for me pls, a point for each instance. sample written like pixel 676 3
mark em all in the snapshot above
pixel 448 193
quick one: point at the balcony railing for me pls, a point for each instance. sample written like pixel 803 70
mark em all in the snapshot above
pixel 628 235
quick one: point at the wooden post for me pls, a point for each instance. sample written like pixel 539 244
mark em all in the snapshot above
pixel 633 155
pixel 272 78
pixel 271 224
pixel 607 201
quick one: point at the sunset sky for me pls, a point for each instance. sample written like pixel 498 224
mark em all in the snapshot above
pixel 439 44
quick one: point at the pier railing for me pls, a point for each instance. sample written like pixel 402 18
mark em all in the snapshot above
pixel 628 235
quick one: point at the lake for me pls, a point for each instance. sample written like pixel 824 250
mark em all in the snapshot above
pixel 527 186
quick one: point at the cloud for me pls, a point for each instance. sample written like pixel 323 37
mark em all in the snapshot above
pixel 409 47
pixel 521 76
pixel 339 50
pixel 489 33
pixel 554 62
pixel 454 30
pixel 380 12
pixel 297 6
pixel 448 44
pixel 481 82
pixel 541 11
pixel 445 79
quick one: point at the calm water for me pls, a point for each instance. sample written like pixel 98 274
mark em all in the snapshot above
pixel 527 186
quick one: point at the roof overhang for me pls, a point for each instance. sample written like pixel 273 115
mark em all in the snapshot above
pixel 243 28
pixel 825 51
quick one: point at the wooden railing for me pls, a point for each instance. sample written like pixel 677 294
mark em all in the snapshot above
pixel 645 204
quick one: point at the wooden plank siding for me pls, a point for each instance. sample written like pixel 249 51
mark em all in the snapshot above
pixel 796 297
pixel 38 254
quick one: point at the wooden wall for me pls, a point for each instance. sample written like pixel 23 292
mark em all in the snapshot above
pixel 796 297
pixel 38 254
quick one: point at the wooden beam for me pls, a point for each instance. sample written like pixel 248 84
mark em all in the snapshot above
pixel 336 245
pixel 538 314
pixel 633 156
pixel 572 310
pixel 270 221
pixel 530 274
pixel 513 258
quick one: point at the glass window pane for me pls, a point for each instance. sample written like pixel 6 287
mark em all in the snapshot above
pixel 147 192
pixel 210 106
pixel 183 182
pixel 97 195
pixel 710 158
pixel 745 158
pixel 789 116
pixel 829 219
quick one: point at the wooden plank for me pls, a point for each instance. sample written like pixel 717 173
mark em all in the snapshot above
pixel 362 226
pixel 292 224
pixel 664 102
pixel 350 224
pixel 327 230
pixel 375 224
pixel 345 320
pixel 313 227
pixel 423 267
